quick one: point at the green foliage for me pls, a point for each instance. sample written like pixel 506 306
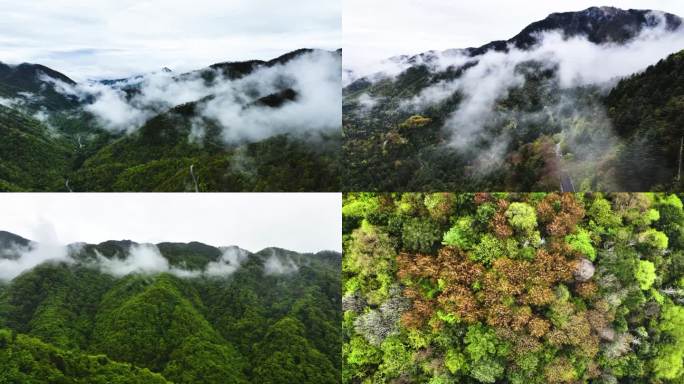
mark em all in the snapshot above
pixel 455 361
pixel 285 356
pixel 242 328
pixel 360 357
pixel 497 303
pixel 26 359
pixel 581 242
pixel 645 274
pixel 522 217
pixel 420 235
pixel 490 248
pixel 395 355
pixel 669 362
pixel 440 205
pixel 654 238
pixel 197 360
pixel 601 212
pixel 461 234
pixel 482 342
pixel 371 258
pixel 360 205
pixel 486 371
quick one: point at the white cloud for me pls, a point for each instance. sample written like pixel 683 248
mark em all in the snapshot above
pixel 378 29
pixel 142 258
pixel 45 248
pixel 230 261
pixel 578 62
pixel 277 265
pixel 315 77
pixel 111 39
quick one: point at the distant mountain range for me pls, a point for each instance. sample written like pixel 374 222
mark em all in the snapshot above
pixel 80 320
pixel 504 117
pixel 54 140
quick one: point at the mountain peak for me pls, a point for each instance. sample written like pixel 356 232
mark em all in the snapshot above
pixel 598 24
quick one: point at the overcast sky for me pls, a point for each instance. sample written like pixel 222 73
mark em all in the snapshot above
pixel 375 30
pixel 112 38
pixel 306 222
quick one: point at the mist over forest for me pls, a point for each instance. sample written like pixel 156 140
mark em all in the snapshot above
pixel 123 312
pixel 560 106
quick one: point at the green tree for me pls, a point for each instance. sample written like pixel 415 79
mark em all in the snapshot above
pixel 285 356
pixel 461 234
pixel 645 274
pixel 581 242
pixel 522 216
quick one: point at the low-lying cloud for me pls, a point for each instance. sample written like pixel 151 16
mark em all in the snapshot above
pixel 139 259
pixel 315 77
pixel 276 265
pixel 230 261
pixel 576 61
pixel 487 79
pixel 21 258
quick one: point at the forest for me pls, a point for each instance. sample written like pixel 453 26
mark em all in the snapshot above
pixel 516 288
pixel 521 115
pixel 226 127
pixel 250 321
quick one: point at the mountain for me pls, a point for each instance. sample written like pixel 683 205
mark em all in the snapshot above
pixel 11 245
pixel 520 114
pixel 600 25
pixel 84 320
pixel 647 108
pixel 30 156
pixel 27 359
pixel 29 84
pixel 59 141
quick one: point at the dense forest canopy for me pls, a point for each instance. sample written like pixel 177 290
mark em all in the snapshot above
pixel 207 315
pixel 578 101
pixel 513 288
pixel 234 126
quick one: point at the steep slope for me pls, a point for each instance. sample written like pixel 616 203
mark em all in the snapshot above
pixel 9 240
pixel 647 110
pixel 30 85
pixel 26 359
pixel 31 157
pixel 159 155
pixel 190 328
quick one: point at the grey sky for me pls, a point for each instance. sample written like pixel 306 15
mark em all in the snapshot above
pixel 375 30
pixel 305 222
pixel 112 38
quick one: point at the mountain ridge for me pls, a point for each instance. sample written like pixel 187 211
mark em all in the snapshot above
pixel 84 154
pixel 570 23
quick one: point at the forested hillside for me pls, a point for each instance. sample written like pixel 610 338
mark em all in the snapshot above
pixel 513 288
pixel 565 105
pixel 647 109
pixel 234 126
pixel 121 312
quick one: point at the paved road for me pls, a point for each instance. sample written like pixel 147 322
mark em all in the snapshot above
pixel 566 184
